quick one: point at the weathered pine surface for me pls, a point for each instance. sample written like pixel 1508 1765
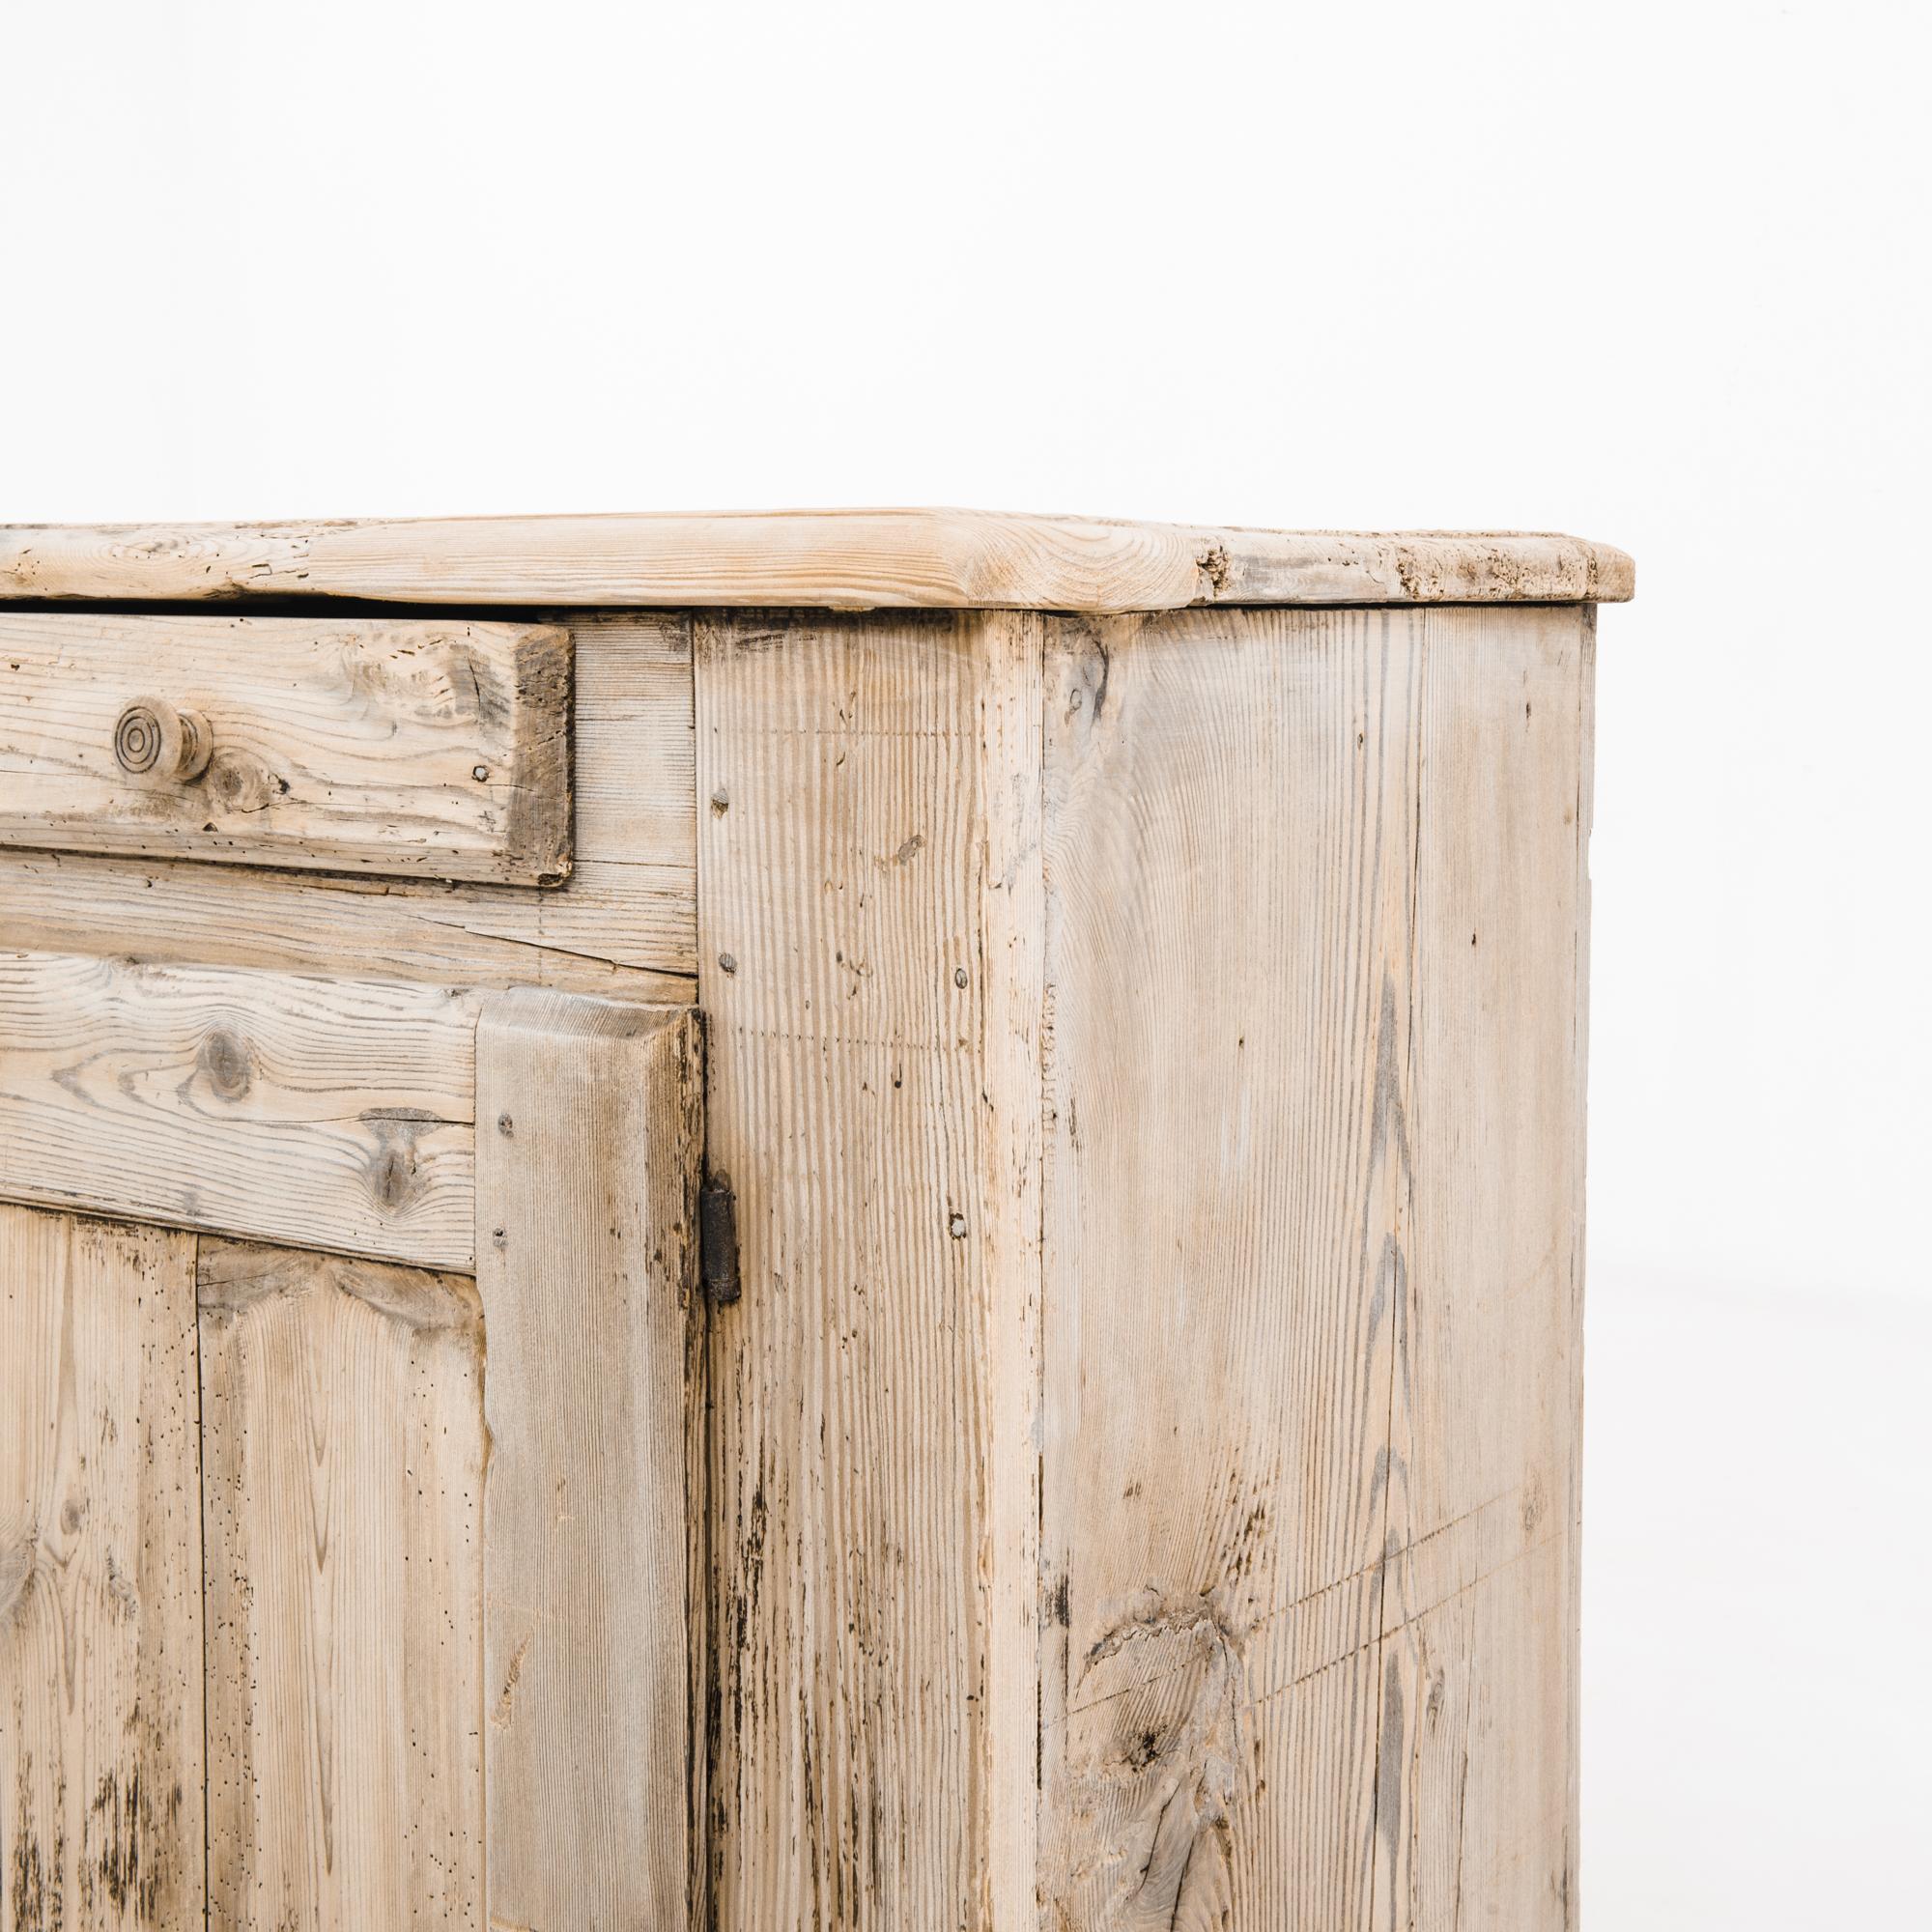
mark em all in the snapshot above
pixel 588 1172
pixel 343 1498
pixel 857 560
pixel 320 1113
pixel 1210 1562
pixel 1312 1260
pixel 624 920
pixel 358 744
pixel 100 1630
pixel 868 866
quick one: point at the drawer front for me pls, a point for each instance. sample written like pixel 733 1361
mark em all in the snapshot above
pixel 411 750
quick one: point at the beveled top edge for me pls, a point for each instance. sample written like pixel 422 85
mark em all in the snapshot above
pixel 835 559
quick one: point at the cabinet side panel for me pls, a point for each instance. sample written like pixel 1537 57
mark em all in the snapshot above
pixel 343 1441
pixel 870 914
pixel 1480 1604
pixel 100 1652
pixel 1313 933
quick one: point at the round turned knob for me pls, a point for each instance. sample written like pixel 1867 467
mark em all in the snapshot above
pixel 162 743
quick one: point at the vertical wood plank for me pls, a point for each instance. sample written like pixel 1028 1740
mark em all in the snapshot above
pixel 1231 815
pixel 869 915
pixel 587 1162
pixel 1480 1603
pixel 101 1653
pixel 1008 1034
pixel 343 1448
pixel 1310 1251
pixel 1579 1076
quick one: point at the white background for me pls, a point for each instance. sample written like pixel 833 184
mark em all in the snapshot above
pixel 1656 275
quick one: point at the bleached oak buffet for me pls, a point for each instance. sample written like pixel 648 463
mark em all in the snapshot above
pixel 864 1220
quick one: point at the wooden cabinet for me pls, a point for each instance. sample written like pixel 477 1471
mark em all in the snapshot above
pixel 1120 989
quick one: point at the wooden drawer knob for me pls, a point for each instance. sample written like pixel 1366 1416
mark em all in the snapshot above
pixel 162 743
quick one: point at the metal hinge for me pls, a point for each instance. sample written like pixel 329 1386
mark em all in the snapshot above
pixel 718 1239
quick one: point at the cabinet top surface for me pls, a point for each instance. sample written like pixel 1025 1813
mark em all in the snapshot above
pixel 840 560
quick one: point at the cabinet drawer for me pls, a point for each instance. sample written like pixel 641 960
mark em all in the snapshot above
pixel 405 748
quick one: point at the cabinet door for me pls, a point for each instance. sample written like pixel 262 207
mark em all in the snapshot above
pixel 345 1408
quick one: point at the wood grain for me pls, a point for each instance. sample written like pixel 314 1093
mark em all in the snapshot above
pixel 101 1640
pixel 332 1114
pixel 342 1406
pixel 857 560
pixel 350 744
pixel 1486 1609
pixel 627 911
pixel 588 1172
pixel 1312 1266
pixel 869 899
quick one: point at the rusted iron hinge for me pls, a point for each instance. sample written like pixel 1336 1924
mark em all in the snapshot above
pixel 718 1239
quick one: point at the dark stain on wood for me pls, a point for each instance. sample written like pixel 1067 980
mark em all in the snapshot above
pixel 539 822
pixel 130 1847
pixel 1391 1764
pixel 34 1874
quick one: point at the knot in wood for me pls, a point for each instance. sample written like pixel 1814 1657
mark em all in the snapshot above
pixel 227 1063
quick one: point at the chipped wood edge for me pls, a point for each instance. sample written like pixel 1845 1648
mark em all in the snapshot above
pixel 538 826
pixel 841 559
pixel 587 1174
